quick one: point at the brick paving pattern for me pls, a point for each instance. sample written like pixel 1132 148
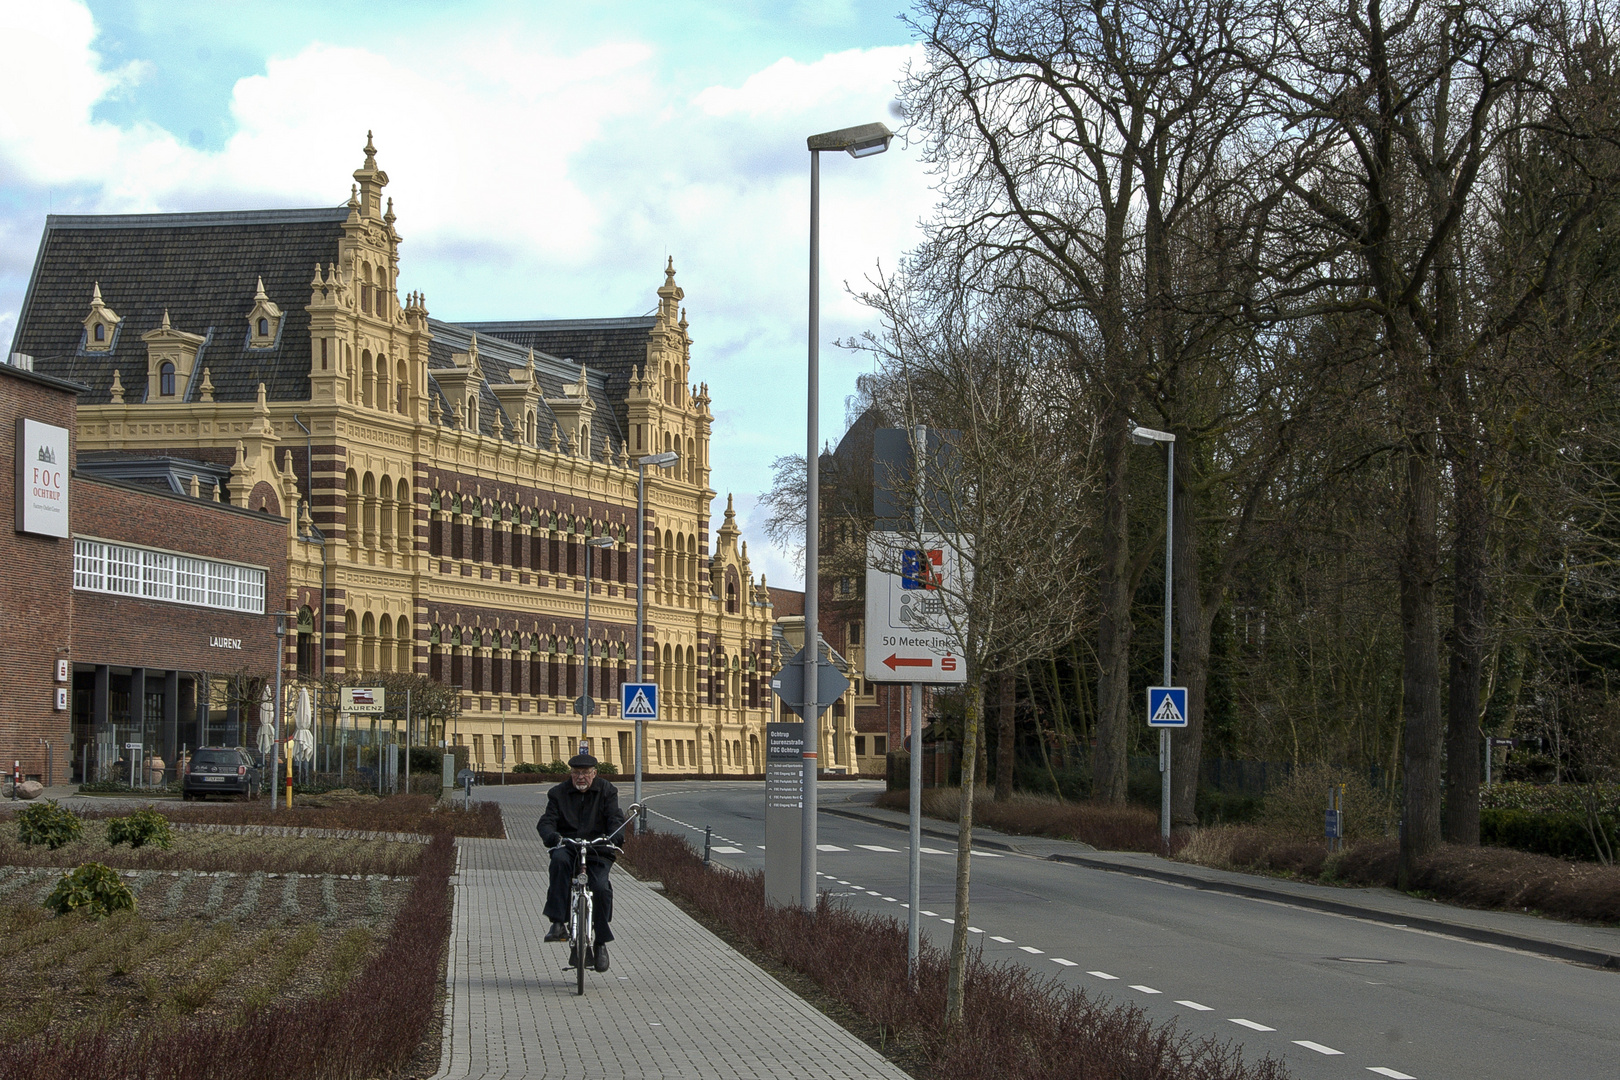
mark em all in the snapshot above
pixel 678 1001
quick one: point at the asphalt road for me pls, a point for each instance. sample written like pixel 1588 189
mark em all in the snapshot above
pixel 1335 997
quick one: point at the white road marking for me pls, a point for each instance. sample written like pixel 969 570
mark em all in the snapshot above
pixel 1032 950
pixel 841 881
pixel 830 847
pixel 1065 963
pixel 989 854
pixel 1391 1073
pixel 728 850
pixel 930 914
pixel 1197 1006
pixel 1250 1024
pixel 760 846
pixel 1003 940
pixel 878 847
pixel 943 919
pixel 1319 1048
pixel 934 851
pixel 891 899
pixel 1144 989
pixel 1102 974
pixel 974 930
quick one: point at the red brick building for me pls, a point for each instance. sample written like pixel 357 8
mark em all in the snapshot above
pixel 130 610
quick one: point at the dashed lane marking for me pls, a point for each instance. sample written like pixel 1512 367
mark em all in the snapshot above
pixel 891 900
pixel 974 930
pixel 1391 1073
pixel 1065 963
pixel 1032 950
pixel 879 847
pixel 1196 1006
pixel 1144 989
pixel 935 851
pixel 1102 975
pixel 1319 1048
pixel 1003 940
pixel 930 914
pixel 728 850
pixel 1250 1024
pixel 830 847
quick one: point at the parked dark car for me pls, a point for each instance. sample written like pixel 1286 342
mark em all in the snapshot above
pixel 221 770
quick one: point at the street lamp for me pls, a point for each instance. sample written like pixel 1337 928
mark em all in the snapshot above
pixel 275 753
pixel 863 141
pixel 586 703
pixel 1147 437
pixel 662 461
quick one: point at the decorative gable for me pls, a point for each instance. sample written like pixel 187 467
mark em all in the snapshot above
pixel 574 411
pixel 521 399
pixel 462 384
pixel 101 325
pixel 170 356
pixel 264 321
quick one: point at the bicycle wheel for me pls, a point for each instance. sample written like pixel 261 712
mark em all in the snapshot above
pixel 582 936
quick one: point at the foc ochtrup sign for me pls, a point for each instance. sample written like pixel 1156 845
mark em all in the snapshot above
pixel 43 471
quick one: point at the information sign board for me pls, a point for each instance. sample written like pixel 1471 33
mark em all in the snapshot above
pixel 915 590
pixel 784 810
pixel 363 699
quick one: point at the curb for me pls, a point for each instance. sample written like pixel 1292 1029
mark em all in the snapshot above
pixel 1572 953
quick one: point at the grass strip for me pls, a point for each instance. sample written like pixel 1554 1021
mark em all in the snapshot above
pixel 1018 1025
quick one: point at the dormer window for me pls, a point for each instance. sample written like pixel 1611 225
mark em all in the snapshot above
pixel 264 320
pixel 171 355
pixel 100 324
pixel 472 414
pixel 166 379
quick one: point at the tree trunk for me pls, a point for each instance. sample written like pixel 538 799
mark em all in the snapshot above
pixel 1420 662
pixel 1006 758
pixel 1114 627
pixel 1461 815
pixel 1192 660
pixel 964 849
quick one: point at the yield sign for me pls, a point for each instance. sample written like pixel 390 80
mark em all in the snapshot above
pixel 1167 706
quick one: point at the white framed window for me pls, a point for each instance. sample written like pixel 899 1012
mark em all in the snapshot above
pixel 89 565
pixel 190 580
pixel 99 566
pixel 157 575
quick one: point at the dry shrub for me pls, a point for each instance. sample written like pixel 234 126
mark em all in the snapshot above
pixel 421 814
pixel 1255 848
pixel 1496 878
pixel 223 851
pixel 1102 825
pixel 1299 805
pixel 1018 1026
pixel 370 1027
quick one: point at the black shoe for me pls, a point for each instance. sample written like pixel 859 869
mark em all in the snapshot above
pixel 573 960
pixel 558 932
pixel 601 957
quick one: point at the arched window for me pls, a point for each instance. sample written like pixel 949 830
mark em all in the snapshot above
pixel 166 379
pixel 264 327
pixel 101 332
pixel 401 385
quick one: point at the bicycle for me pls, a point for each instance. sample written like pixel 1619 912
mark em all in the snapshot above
pixel 582 902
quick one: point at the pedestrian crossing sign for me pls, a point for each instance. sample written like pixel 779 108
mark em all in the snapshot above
pixel 1167 706
pixel 638 701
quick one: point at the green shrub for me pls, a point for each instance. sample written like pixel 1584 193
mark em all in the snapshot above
pixel 1298 805
pixel 92 888
pixel 1226 807
pixel 556 767
pixel 140 828
pixel 607 768
pixel 1546 798
pixel 525 767
pixel 1564 835
pixel 49 824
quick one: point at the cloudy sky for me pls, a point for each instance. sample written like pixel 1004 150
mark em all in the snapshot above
pixel 544 159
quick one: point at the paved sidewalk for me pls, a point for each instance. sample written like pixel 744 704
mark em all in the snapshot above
pixel 1595 945
pixel 678 1001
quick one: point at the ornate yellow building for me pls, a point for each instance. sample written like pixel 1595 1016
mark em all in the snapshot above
pixel 441 479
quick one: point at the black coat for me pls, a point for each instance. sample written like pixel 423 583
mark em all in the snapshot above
pixel 581 815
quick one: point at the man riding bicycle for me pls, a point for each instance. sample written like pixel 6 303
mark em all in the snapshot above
pixel 583 807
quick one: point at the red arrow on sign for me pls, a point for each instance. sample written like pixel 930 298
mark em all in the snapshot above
pixel 894 662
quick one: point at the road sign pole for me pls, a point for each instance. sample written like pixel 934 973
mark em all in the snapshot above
pixel 812 538
pixel 1169 554
pixel 914 885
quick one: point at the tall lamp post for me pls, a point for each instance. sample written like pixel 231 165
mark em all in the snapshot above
pixel 275 753
pixel 662 461
pixel 858 142
pixel 586 704
pixel 1147 437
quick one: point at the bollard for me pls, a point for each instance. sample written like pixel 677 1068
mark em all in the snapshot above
pixel 708 835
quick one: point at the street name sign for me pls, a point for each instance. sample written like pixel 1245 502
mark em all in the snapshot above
pixel 363 699
pixel 638 701
pixel 1167 706
pixel 915 588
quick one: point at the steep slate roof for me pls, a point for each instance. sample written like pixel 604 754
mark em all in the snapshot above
pixel 614 347
pixel 204 269
pixel 496 358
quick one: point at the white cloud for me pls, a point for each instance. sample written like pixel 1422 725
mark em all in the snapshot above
pixel 527 185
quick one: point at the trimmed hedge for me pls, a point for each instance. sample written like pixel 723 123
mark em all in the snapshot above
pixel 1564 835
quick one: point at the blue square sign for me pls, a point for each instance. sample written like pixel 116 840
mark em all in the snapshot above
pixel 1167 706
pixel 638 701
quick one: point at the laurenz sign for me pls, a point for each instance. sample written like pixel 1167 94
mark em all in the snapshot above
pixel 43 470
